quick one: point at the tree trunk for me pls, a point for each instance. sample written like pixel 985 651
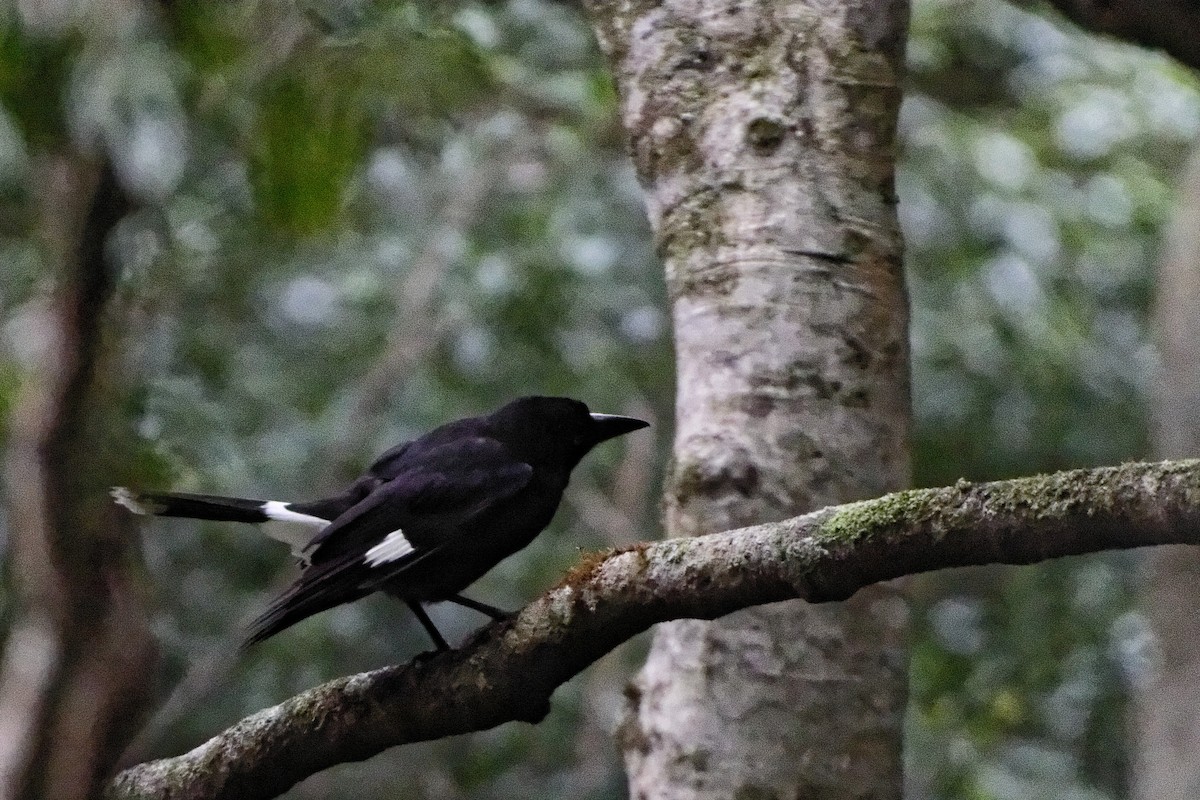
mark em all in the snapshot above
pixel 762 132
pixel 75 677
pixel 1167 765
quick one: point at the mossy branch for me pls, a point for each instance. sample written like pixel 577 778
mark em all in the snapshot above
pixel 509 670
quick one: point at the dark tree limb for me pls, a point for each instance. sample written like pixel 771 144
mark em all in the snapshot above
pixel 509 670
pixel 1173 25
pixel 72 681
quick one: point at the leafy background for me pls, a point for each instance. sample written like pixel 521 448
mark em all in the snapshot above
pixel 358 220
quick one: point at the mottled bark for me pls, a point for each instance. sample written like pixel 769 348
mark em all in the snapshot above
pixel 1167 702
pixel 74 679
pixel 509 670
pixel 762 131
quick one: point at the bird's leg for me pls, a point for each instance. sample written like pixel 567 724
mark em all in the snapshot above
pixel 428 625
pixel 482 608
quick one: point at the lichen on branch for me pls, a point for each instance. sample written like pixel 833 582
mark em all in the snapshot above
pixel 509 670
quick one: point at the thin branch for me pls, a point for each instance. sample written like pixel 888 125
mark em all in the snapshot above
pixel 508 671
pixel 418 326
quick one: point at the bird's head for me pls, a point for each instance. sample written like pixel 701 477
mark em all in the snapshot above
pixel 556 431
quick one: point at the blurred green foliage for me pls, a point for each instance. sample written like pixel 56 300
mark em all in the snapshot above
pixel 358 220
pixel 1039 166
pixel 33 77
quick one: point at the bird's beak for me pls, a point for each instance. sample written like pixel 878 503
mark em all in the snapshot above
pixel 609 425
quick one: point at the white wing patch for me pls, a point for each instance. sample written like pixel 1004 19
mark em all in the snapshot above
pixel 278 511
pixel 290 527
pixel 394 546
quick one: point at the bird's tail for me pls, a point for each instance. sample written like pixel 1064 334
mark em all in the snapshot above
pixel 320 587
pixel 297 533
pixel 194 506
pixel 275 620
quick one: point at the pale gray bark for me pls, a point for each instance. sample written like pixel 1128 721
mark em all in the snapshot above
pixel 1167 703
pixel 762 131
pixel 509 670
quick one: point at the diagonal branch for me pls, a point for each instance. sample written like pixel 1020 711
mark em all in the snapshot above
pixel 508 671
pixel 418 327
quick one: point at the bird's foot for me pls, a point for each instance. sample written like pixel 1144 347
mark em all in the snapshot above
pixel 483 608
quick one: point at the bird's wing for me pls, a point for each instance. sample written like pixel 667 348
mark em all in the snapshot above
pixel 443 488
pixel 330 508
pixel 398 525
pixel 385 467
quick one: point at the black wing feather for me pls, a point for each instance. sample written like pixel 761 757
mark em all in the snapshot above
pixel 432 499
pixel 439 490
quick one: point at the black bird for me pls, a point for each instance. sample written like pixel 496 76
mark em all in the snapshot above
pixel 427 519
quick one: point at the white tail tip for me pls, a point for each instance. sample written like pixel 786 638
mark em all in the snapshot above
pixel 129 500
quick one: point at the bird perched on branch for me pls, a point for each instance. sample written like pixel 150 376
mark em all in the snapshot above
pixel 427 519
